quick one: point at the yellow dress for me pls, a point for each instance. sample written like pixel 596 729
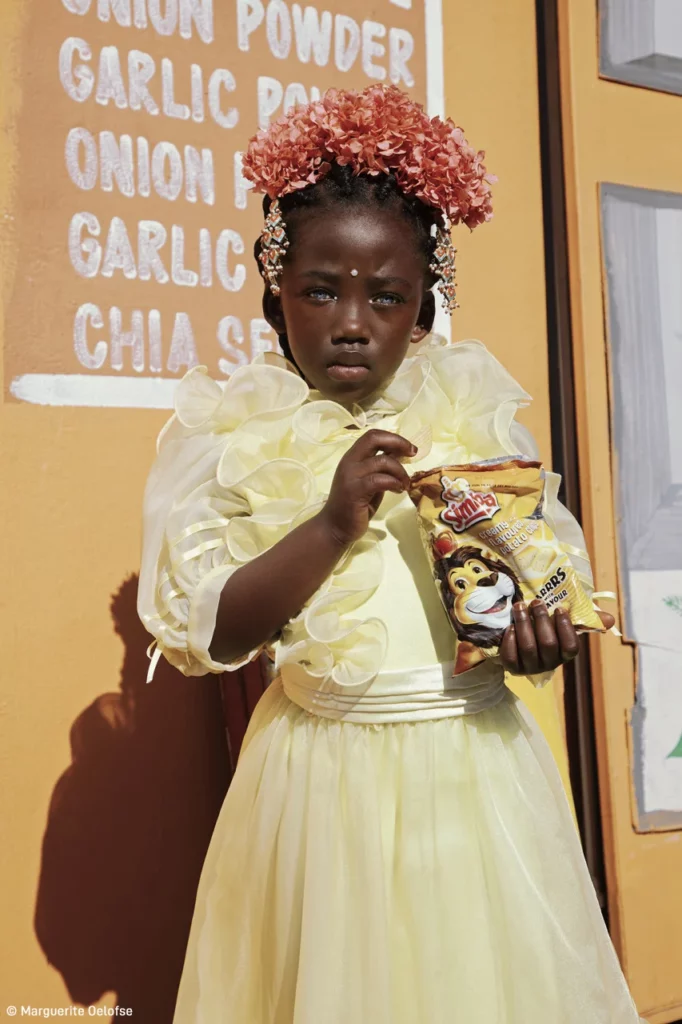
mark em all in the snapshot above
pixel 396 846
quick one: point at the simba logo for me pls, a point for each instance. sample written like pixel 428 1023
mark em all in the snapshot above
pixel 465 507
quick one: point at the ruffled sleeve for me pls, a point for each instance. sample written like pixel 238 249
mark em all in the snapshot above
pixel 213 501
pixel 463 393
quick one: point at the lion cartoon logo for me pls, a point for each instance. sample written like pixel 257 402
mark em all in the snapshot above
pixel 478 592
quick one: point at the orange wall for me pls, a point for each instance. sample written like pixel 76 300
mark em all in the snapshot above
pixel 126 778
pixel 643 871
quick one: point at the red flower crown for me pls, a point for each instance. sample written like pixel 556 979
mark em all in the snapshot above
pixel 377 131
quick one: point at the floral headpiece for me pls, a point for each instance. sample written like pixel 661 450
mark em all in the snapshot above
pixel 377 131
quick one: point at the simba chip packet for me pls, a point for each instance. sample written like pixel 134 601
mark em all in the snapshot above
pixel 489 546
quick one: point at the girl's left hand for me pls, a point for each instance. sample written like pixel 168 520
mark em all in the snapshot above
pixel 539 642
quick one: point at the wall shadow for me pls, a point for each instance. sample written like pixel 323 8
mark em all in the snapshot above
pixel 128 827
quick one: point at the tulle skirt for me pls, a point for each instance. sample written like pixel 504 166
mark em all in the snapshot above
pixel 415 873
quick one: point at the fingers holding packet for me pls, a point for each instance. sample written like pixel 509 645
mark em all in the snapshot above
pixel 489 545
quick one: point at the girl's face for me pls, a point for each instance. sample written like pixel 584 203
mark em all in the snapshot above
pixel 353 298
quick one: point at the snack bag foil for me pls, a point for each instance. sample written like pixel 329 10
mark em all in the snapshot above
pixel 489 545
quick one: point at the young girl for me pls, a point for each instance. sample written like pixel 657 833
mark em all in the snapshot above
pixel 396 846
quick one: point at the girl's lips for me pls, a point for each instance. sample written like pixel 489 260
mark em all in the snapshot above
pixel 339 371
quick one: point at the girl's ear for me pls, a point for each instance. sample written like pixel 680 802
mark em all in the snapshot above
pixel 272 311
pixel 427 315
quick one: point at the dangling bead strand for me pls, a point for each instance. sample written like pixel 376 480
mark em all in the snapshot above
pixel 443 266
pixel 273 246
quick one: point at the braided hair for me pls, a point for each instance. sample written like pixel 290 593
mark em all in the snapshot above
pixel 341 187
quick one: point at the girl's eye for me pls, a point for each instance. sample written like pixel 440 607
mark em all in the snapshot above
pixel 387 299
pixel 319 294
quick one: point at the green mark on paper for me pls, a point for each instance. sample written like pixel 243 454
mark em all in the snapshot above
pixel 677 752
pixel 674 602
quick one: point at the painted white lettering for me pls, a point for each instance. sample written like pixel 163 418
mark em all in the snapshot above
pixel 77 6
pixel 140 13
pixel 250 14
pixel 199 12
pixel 164 24
pixel 85 254
pixel 83 172
pixel 225 78
pixel 79 80
pixel 183 350
pixel 90 360
pixel 241 185
pixel 118 252
pixel 179 273
pixel 170 107
pixel 371 31
pixel 400 49
pixel 119 8
pixel 109 79
pixel 116 161
pixel 262 339
pixel 118 166
pixel 270 94
pixel 143 167
pixel 154 329
pixel 199 173
pixel 213 257
pixel 312 31
pixel 231 340
pixel 197 93
pixel 132 339
pixel 278 29
pixel 167 181
pixel 346 42
pixel 227 240
pixel 205 258
pixel 151 236
pixel 295 93
pixel 141 69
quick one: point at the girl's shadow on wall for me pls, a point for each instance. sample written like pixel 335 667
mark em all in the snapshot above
pixel 128 827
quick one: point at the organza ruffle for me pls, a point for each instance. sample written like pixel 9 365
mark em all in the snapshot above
pixel 266 451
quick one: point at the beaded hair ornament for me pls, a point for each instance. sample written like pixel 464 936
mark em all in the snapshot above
pixel 377 131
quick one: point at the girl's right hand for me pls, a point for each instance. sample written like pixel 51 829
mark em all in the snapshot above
pixel 365 472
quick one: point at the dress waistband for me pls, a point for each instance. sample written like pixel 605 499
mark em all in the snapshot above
pixel 412 695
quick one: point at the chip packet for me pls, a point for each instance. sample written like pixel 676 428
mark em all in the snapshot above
pixel 489 545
